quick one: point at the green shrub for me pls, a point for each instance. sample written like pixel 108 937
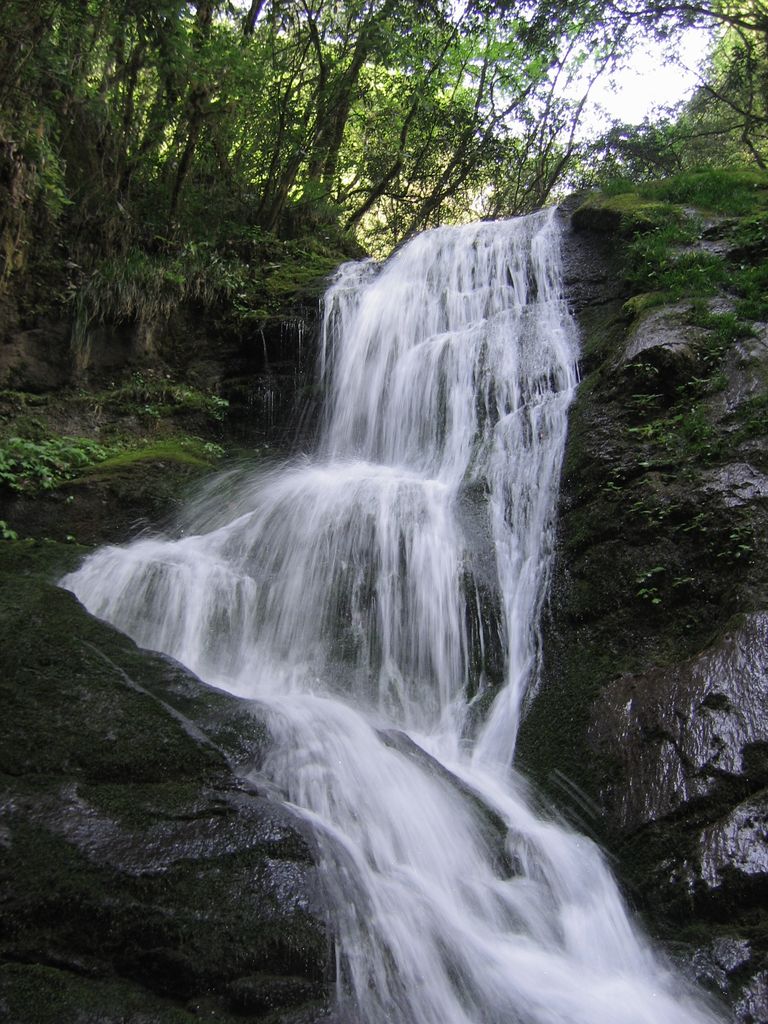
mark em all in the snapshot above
pixel 153 395
pixel 29 466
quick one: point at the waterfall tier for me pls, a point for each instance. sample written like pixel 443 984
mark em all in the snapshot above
pixel 393 581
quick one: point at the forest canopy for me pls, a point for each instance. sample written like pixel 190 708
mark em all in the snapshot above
pixel 133 125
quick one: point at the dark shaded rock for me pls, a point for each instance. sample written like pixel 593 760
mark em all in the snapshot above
pixel 736 844
pixel 649 729
pixel 661 334
pixel 114 508
pixel 753 1000
pixel 143 878
pixel 36 359
pixel 736 484
pixel 589 264
pixel 261 993
pixel 678 731
pixel 715 964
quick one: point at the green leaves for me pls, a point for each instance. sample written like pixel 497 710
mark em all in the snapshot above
pixel 28 466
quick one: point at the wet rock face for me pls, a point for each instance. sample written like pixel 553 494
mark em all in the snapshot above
pixel 650 725
pixel 736 844
pixel 144 877
pixel 678 732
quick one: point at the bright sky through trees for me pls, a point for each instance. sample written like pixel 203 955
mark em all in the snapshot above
pixel 649 80
pixel 200 122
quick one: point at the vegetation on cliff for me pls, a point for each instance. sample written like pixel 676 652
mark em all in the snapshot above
pixel 649 725
pixel 167 155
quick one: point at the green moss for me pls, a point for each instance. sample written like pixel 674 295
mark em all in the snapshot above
pixel 303 275
pixel 186 451
pixel 627 214
pixel 658 220
pixel 153 395
pixel 34 459
pixel 640 303
pixel 36 994
pixel 720 190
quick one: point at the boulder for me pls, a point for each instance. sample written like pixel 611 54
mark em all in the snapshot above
pixel 147 875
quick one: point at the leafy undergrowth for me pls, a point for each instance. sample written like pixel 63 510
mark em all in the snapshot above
pixel 95 465
pixel 30 467
pixel 703 256
pixel 152 395
pixel 689 236
pixel 253 276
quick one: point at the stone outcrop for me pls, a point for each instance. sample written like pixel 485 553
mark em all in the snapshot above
pixel 146 875
pixel 681 732
pixel 650 727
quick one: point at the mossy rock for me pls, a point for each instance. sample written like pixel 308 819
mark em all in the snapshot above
pixel 625 215
pixel 142 877
pixel 662 543
pixel 38 994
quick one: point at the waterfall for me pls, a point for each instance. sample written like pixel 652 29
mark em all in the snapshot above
pixel 380 602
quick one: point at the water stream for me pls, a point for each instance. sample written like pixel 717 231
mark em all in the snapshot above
pixel 380 600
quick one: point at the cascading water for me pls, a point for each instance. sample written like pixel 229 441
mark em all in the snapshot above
pixel 340 591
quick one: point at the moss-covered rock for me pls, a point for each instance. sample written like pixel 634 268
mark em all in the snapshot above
pixel 661 577
pixel 143 878
pixel 625 214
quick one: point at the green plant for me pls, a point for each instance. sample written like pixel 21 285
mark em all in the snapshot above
pixel 148 393
pixel 190 451
pixel 612 489
pixel 720 190
pixel 29 466
pixel 654 263
pixel 6 533
pixel 646 591
pixel 751 285
pixel 739 545
pixel 751 236
pixel 752 418
pixel 652 511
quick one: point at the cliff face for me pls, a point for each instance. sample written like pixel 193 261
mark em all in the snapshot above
pixel 650 727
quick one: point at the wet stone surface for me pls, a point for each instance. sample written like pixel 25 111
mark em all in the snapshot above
pixel 662 332
pixel 678 731
pixel 142 878
pixel 650 726
pixel 738 844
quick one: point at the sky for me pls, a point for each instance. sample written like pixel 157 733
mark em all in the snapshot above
pixel 648 82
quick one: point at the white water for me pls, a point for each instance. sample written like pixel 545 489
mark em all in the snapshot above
pixel 337 591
